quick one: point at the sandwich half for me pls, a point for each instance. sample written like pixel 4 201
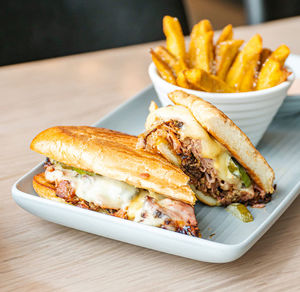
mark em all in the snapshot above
pixel 223 165
pixel 101 170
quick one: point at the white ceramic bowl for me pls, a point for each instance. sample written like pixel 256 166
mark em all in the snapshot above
pixel 251 111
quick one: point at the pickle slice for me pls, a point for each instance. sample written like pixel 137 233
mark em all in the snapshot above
pixel 240 211
pixel 82 172
pixel 78 170
pixel 236 169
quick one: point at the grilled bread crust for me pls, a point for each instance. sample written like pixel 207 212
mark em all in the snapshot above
pixel 45 189
pixel 114 155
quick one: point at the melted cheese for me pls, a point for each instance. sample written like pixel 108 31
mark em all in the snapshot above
pixel 145 212
pixel 210 148
pixel 100 190
pixel 113 194
pixel 191 128
pixel 136 205
pixel 149 218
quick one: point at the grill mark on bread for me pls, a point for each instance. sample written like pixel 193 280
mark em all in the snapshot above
pixel 145 175
pixel 102 152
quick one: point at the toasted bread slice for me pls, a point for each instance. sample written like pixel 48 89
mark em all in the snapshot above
pixel 114 155
pixel 224 130
pixel 45 189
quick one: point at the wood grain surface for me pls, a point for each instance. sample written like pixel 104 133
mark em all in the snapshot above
pixel 36 255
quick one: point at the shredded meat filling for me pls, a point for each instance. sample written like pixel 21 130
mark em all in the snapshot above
pixel 170 218
pixel 201 171
pixel 64 190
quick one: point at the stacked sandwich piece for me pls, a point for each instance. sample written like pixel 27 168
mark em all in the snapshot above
pixel 189 150
pixel 223 165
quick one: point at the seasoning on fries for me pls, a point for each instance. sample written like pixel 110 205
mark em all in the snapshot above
pixel 201 46
pixel 174 35
pixel 226 34
pixel 242 72
pixel 176 65
pixel 220 67
pixel 225 54
pixel 163 68
pixel 272 71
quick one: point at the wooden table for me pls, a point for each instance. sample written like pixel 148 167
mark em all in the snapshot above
pixel 36 255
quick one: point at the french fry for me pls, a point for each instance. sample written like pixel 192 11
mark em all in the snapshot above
pixel 275 76
pixel 226 34
pixel 242 73
pixel 204 26
pixel 175 39
pixel 272 72
pixel 182 81
pixel 177 65
pixel 164 70
pixel 203 56
pixel 201 46
pixel 202 80
pixel 200 28
pixel 280 54
pixel 265 54
pixel 225 53
pixel 220 67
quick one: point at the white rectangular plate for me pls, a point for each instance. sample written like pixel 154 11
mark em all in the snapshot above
pixel 224 238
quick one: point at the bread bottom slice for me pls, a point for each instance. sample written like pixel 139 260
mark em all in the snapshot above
pixel 45 189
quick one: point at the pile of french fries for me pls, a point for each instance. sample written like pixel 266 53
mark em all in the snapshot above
pixel 221 66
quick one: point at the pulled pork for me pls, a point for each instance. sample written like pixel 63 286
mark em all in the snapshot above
pixel 201 170
pixel 167 214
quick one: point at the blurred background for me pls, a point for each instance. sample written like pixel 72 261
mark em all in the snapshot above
pixel 33 29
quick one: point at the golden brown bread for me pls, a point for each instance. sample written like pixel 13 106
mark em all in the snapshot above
pixel 113 154
pixel 45 189
pixel 225 131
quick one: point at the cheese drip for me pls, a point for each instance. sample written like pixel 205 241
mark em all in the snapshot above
pixel 210 147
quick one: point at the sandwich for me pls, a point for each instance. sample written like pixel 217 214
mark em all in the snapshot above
pixel 101 170
pixel 223 165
